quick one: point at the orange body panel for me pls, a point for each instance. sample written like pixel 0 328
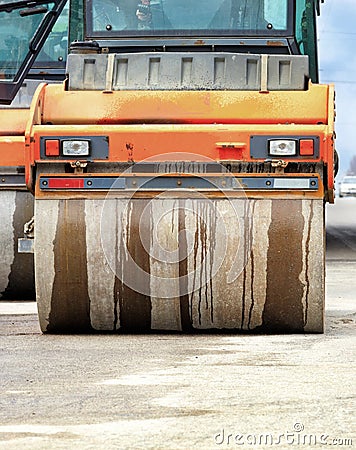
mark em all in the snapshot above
pixel 95 107
pixel 12 151
pixel 13 121
pixel 214 124
pixel 12 136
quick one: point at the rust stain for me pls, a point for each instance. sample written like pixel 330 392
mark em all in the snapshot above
pixel 118 285
pixel 283 309
pixel 130 149
pixel 203 251
pixel 307 251
pixel 185 313
pixel 70 305
pixel 117 290
pixel 275 43
pixel 251 255
pixel 213 231
pixel 248 225
pixel 135 307
pixel 195 255
pixel 205 240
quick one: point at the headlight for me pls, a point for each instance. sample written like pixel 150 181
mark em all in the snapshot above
pixel 282 147
pixel 75 148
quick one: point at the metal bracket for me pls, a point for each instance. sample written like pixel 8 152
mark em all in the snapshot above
pixel 29 228
pixel 278 164
pixel 79 166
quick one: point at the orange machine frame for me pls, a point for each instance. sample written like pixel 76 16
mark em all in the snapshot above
pixel 214 124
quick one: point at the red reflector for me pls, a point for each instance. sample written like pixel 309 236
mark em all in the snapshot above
pixel 306 147
pixel 52 147
pixel 66 183
pixel 230 153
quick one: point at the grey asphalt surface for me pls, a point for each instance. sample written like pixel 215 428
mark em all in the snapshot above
pixel 168 391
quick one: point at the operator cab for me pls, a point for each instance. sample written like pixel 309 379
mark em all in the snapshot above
pixel 243 26
pixel 280 27
pixel 25 50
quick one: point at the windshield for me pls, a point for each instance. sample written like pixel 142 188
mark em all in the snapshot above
pixel 186 17
pixel 55 49
pixel 24 28
pixel 20 25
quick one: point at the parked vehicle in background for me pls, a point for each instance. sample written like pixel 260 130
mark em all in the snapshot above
pixel 347 186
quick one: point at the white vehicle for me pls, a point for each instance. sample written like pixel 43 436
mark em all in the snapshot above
pixel 347 186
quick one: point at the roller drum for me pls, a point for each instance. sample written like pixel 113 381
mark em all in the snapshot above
pixel 16 270
pixel 180 264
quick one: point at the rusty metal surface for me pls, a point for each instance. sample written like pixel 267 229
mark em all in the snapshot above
pixel 16 270
pixel 183 264
pixel 127 107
